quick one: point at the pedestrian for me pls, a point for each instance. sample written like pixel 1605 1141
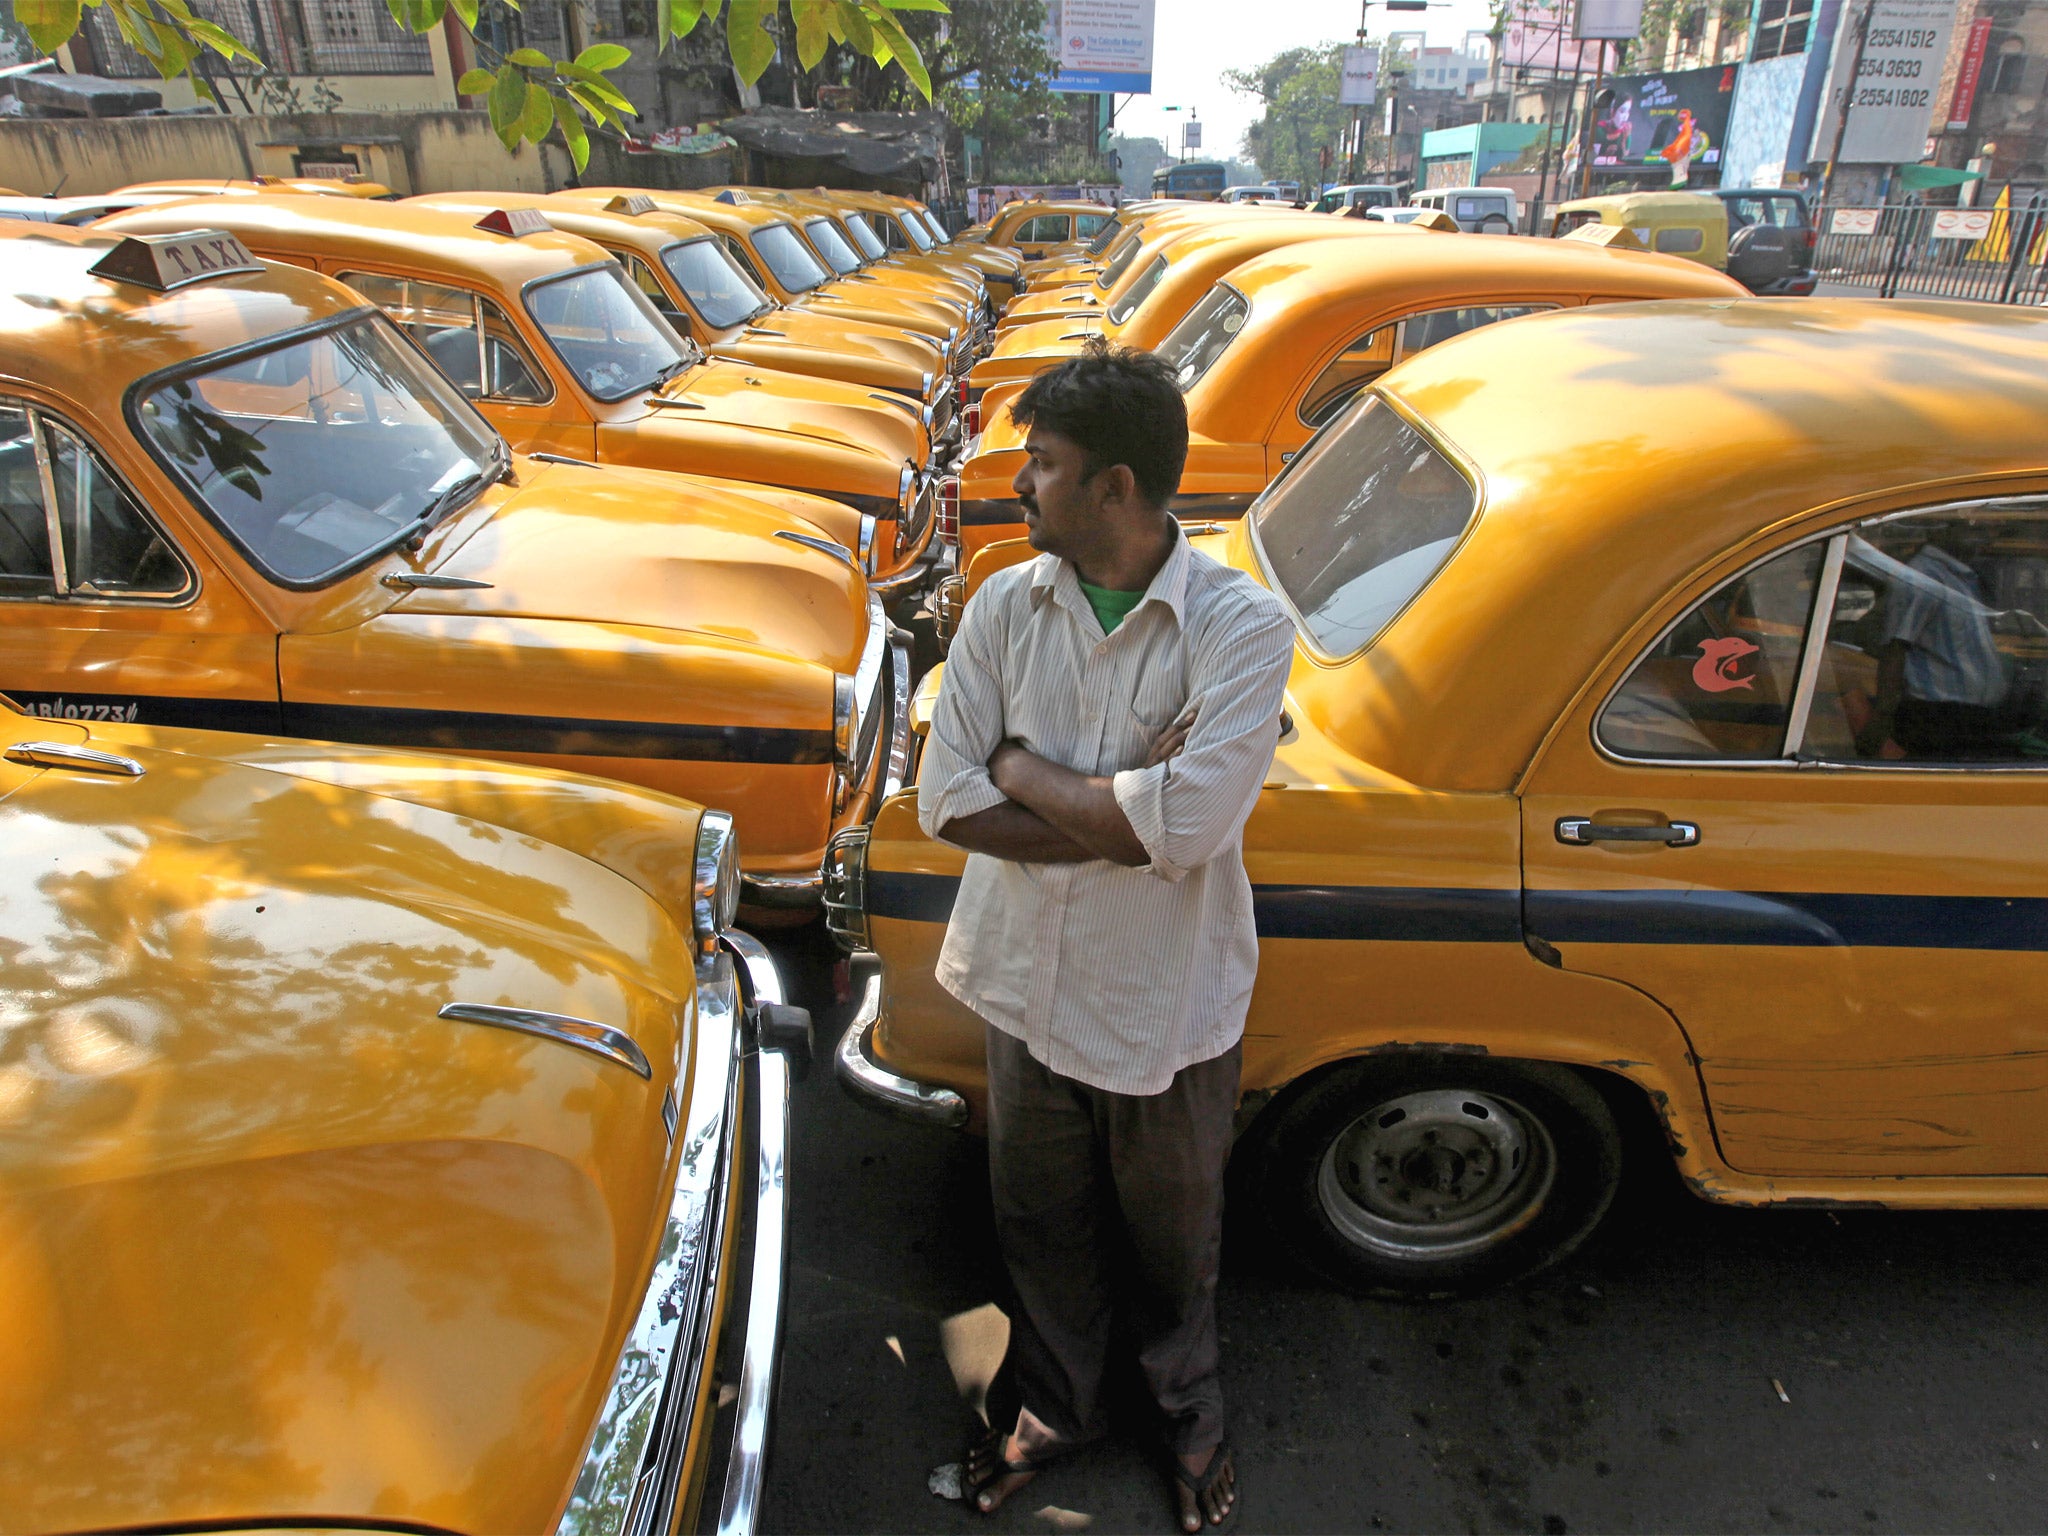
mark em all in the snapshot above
pixel 1107 718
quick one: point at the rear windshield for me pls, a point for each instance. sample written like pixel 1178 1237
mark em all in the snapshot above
pixel 1106 279
pixel 1360 524
pixel 1139 291
pixel 832 246
pixel 1103 237
pixel 723 294
pixel 788 258
pixel 1194 345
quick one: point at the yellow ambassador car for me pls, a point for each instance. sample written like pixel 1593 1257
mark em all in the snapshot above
pixel 1667 737
pixel 238 497
pixel 1087 287
pixel 764 241
pixel 1036 227
pixel 909 228
pixel 377 1134
pixel 699 289
pixel 853 250
pixel 564 356
pixel 1277 348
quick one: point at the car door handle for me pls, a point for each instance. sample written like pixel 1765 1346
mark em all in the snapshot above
pixel 1578 830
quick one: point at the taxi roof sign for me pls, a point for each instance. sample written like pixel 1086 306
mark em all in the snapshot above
pixel 731 195
pixel 635 203
pixel 514 222
pixel 164 262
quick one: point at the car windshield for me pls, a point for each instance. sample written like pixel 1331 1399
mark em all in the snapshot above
pixel 913 226
pixel 1106 279
pixel 319 454
pixel 1138 292
pixel 613 340
pixel 832 246
pixel 931 222
pixel 1359 524
pixel 723 295
pixel 1193 346
pixel 788 259
pixel 869 242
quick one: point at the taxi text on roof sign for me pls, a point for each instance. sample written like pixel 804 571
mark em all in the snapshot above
pixel 634 203
pixel 165 262
pixel 515 222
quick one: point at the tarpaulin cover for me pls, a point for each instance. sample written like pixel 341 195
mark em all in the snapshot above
pixel 899 146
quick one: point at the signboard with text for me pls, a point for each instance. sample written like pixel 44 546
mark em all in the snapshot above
pixel 1650 114
pixel 1891 100
pixel 1360 84
pixel 1621 20
pixel 1852 221
pixel 1962 224
pixel 1100 45
pixel 1968 73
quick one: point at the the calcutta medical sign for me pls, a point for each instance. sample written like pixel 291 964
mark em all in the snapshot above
pixel 1100 45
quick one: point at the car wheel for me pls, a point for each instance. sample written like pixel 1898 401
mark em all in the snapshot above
pixel 1431 1175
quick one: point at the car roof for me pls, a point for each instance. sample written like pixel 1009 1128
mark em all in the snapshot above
pixel 1642 202
pixel 423 240
pixel 650 230
pixel 84 336
pixel 1628 454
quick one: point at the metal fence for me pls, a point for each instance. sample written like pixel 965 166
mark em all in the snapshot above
pixel 1999 255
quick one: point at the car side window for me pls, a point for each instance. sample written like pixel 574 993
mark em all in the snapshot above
pixel 650 285
pixel 1937 642
pixel 738 252
pixel 1680 241
pixel 1088 225
pixel 1719 684
pixel 1044 228
pixel 108 547
pixel 1378 350
pixel 466 335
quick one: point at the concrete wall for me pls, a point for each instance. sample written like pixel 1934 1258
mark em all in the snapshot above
pixel 409 152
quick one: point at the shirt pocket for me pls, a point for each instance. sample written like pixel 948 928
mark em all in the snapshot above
pixel 1136 721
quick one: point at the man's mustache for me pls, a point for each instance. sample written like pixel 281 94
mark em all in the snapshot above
pixel 1029 504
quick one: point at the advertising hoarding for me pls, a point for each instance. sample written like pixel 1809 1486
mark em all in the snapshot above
pixel 1100 45
pixel 1968 73
pixel 1361 82
pixel 1620 20
pixel 1648 115
pixel 1891 102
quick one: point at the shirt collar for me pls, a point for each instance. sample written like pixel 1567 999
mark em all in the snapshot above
pixel 1053 577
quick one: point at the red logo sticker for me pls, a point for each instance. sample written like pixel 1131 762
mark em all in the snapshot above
pixel 1715 670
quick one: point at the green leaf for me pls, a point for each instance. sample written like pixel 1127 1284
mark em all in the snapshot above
pixel 539 115
pixel 475 82
pixel 712 7
pixel 603 56
pixel 532 58
pixel 918 5
pixel 683 16
pixel 507 101
pixel 465 12
pixel 752 49
pixel 49 23
pixel 890 32
pixel 813 31
pixel 573 133
pixel 601 112
pixel 598 86
pixel 854 27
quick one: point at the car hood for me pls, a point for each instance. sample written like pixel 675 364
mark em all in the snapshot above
pixel 798 405
pixel 1039 338
pixel 276 1240
pixel 661 552
pixel 795 335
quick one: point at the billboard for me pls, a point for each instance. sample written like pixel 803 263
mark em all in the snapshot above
pixel 1360 84
pixel 1892 103
pixel 1640 120
pixel 1538 36
pixel 1100 45
pixel 1620 20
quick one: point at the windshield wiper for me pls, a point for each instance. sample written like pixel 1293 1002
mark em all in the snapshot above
pixel 450 497
pixel 689 359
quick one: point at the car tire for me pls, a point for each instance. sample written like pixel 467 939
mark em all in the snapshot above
pixel 1426 1175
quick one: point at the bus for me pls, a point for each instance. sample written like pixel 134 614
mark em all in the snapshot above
pixel 1201 180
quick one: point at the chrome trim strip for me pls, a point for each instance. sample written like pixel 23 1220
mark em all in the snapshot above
pixel 627 1484
pixel 749 1458
pixel 824 546
pixel 613 1045
pixel 881 1089
pixel 68 754
pixel 1817 623
pixel 898 768
pixel 764 982
pixel 561 458
pixel 867 681
pixel 716 858
pixel 406 581
pixel 781 890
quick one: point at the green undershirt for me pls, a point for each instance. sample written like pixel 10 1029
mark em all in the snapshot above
pixel 1111 606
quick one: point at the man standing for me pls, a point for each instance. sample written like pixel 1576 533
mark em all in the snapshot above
pixel 1107 718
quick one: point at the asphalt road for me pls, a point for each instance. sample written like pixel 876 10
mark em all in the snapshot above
pixel 1635 1388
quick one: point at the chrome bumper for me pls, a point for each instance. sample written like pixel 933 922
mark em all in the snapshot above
pixel 876 1086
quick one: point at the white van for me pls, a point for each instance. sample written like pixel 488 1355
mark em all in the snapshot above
pixel 1478 210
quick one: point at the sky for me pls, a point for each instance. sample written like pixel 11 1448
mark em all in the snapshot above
pixel 1194 41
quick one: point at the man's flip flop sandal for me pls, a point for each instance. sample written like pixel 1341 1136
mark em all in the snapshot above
pixel 988 1451
pixel 1199 1483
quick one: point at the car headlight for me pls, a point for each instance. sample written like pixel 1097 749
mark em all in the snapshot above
pixel 845 720
pixel 715 893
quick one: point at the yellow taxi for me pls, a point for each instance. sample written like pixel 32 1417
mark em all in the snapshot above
pixel 699 289
pixel 564 356
pixel 1091 286
pixel 1667 737
pixel 228 186
pixel 379 1137
pixel 852 249
pixel 763 239
pixel 910 229
pixel 1035 226
pixel 1274 350
pixel 234 495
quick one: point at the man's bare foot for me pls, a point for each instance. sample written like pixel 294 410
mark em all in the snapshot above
pixel 997 1465
pixel 1205 1485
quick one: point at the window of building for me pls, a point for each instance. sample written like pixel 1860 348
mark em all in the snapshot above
pixel 1781 28
pixel 313 37
pixel 2011 69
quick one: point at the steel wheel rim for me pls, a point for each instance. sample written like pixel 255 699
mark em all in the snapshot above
pixel 1437 1174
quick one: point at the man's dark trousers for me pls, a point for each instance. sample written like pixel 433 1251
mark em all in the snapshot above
pixel 1070 1165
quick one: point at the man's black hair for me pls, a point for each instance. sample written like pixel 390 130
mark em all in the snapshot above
pixel 1121 406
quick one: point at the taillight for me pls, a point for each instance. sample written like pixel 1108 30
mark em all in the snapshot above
pixel 973 418
pixel 949 510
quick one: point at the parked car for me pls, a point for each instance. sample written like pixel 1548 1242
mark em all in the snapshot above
pixel 1625 773
pixel 1358 195
pixel 1032 228
pixel 564 355
pixel 379 1137
pixel 1771 239
pixel 1689 224
pixel 909 227
pixel 1478 210
pixel 239 498
pixel 1087 291
pixel 1278 346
